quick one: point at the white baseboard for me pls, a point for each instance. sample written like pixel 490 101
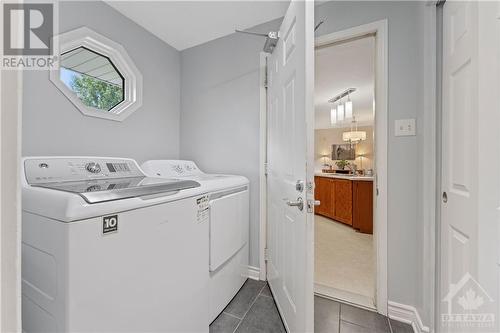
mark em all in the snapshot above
pixel 407 314
pixel 253 273
pixel 344 296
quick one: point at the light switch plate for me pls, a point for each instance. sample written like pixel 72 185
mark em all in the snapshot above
pixel 405 127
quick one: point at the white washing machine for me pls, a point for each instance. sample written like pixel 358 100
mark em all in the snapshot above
pixel 229 226
pixel 107 249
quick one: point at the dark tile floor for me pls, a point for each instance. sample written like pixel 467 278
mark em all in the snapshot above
pixel 253 310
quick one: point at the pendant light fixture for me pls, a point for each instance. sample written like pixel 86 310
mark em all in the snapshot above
pixel 342 111
pixel 333 116
pixel 348 108
pixel 354 136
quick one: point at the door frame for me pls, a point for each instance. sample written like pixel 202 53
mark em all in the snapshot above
pixel 380 29
pixel 11 99
pixel 263 166
pixel 10 199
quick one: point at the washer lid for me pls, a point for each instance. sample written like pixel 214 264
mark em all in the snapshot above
pixel 102 190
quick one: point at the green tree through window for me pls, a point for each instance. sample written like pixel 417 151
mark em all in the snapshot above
pixel 96 93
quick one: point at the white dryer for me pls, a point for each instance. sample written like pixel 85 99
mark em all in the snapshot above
pixel 107 249
pixel 229 226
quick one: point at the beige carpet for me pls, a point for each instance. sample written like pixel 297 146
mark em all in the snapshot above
pixel 344 258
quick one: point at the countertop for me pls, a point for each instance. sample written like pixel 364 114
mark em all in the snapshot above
pixel 341 176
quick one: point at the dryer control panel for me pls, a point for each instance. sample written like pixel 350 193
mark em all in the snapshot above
pixel 63 169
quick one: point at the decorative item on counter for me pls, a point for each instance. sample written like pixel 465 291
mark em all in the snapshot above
pixel 341 164
pixel 369 172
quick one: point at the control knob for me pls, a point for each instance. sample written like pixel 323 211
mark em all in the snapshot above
pixel 93 167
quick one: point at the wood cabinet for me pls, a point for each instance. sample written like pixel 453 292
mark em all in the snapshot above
pixel 347 201
pixel 335 196
pixel 342 211
pixel 363 206
pixel 323 192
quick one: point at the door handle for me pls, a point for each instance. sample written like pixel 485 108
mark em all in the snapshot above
pixel 299 203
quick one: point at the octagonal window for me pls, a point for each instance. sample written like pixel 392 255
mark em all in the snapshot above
pixel 93 78
pixel 97 75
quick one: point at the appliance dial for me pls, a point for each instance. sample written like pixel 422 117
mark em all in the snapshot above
pixel 93 167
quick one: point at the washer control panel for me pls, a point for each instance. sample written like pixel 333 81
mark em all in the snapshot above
pixel 171 168
pixel 93 167
pixel 59 169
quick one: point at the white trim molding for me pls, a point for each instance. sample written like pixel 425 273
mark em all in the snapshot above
pixel 85 37
pixel 262 166
pixel 254 273
pixel 11 83
pixel 430 184
pixel 407 314
pixel 380 29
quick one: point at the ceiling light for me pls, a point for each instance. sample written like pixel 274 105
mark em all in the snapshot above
pixel 354 136
pixel 333 116
pixel 348 108
pixel 340 112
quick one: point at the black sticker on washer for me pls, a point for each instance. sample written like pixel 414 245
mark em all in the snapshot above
pixel 109 224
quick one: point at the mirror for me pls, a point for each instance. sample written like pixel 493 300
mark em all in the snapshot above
pixel 97 75
pixel 93 78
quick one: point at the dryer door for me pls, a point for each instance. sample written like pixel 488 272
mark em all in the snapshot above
pixel 229 224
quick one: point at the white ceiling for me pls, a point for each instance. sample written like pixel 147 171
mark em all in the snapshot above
pixel 342 66
pixel 184 24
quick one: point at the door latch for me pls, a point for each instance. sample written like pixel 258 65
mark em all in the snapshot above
pixel 311 204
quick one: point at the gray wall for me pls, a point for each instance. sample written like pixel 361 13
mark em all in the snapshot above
pixel 53 126
pixel 405 101
pixel 220 112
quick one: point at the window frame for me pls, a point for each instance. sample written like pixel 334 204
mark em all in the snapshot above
pixel 132 78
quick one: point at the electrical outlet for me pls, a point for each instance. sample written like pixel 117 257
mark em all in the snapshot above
pixel 405 127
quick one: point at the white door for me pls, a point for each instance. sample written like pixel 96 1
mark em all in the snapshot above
pixel 290 149
pixel 469 207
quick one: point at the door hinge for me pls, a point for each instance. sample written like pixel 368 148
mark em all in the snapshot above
pixel 266 75
pixel 266 254
pixel 266 168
